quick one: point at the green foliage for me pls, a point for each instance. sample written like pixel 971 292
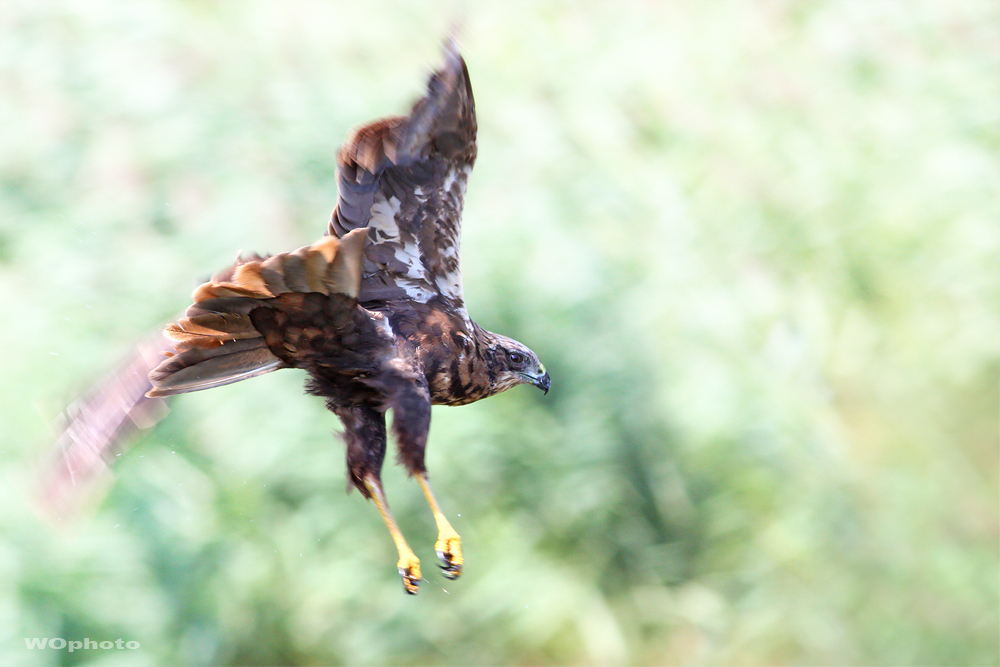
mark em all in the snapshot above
pixel 756 245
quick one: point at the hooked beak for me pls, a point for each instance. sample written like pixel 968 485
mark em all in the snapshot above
pixel 542 381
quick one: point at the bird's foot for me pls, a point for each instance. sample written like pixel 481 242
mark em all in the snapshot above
pixel 449 551
pixel 409 570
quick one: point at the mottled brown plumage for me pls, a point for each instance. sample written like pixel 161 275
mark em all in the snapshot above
pixel 374 311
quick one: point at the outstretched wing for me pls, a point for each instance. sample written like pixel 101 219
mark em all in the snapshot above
pixel 404 179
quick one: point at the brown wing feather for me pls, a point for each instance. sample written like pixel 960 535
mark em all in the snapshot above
pixel 404 179
pixel 216 342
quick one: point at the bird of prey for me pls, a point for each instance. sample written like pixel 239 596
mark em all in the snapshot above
pixel 373 312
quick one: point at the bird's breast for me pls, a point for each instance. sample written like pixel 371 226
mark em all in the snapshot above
pixel 457 379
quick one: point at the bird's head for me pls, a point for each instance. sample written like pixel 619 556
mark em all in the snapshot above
pixel 514 364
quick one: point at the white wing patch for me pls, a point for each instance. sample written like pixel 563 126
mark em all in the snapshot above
pixel 383 220
pixel 382 322
pixel 401 255
pixel 450 283
pixel 449 180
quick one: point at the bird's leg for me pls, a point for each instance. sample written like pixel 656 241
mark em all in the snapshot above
pixel 411 405
pixel 449 544
pixel 364 434
pixel 408 564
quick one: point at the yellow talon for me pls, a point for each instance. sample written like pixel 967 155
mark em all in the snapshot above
pixel 449 544
pixel 409 570
pixel 449 550
pixel 408 564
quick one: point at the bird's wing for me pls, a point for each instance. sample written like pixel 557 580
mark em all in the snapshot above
pixel 217 342
pixel 100 425
pixel 214 344
pixel 404 179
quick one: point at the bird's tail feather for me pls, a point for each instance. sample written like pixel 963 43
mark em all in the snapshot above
pixel 216 343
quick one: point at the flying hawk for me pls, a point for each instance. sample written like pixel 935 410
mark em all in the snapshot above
pixel 373 312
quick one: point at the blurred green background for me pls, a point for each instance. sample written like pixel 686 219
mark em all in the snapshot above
pixel 755 243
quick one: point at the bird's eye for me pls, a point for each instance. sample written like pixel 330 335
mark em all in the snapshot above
pixel 516 358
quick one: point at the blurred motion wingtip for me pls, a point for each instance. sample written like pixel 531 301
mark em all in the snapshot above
pixel 96 426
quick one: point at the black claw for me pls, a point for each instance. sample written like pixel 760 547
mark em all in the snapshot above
pixel 410 585
pixel 449 569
